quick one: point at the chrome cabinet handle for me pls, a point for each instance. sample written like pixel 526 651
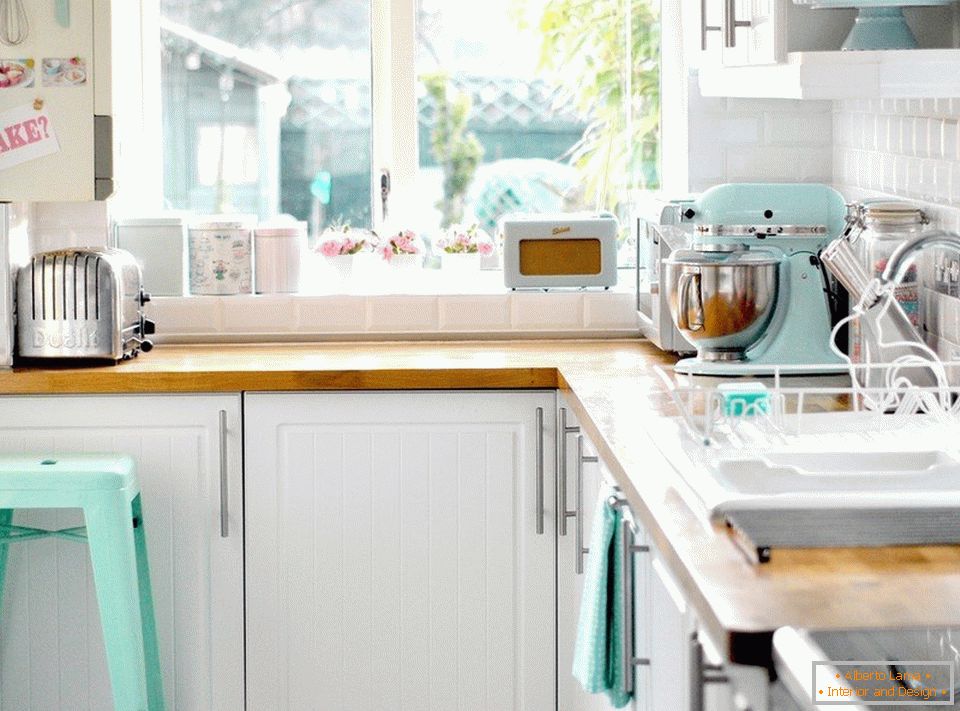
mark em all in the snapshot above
pixel 224 482
pixel 701 674
pixel 579 549
pixel 687 280
pixel 539 471
pixel 704 27
pixel 630 662
pixel 731 23
pixel 563 431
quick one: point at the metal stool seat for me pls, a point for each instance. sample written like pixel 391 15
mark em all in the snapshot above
pixel 105 487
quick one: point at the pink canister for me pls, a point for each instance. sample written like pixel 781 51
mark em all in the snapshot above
pixel 279 250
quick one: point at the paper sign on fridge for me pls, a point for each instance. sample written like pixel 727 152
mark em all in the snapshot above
pixel 25 134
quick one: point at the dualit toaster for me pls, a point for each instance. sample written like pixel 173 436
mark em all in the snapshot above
pixel 82 303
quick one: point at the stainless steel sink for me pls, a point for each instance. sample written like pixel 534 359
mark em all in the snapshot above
pixel 795 652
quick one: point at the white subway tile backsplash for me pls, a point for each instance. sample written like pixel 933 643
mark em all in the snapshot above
pixel 919 160
pixel 196 315
pixel 557 311
pixel 738 130
pixel 610 311
pixel 407 314
pixel 904 147
pixel 258 314
pixel 785 128
pixel 469 314
pixel 948 140
pixel 331 314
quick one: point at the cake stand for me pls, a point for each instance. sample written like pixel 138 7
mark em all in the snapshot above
pixel 880 23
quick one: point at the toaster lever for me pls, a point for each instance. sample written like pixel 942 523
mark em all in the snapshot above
pixel 144 297
pixel 148 328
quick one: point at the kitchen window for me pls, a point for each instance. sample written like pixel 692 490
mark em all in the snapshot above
pixel 304 107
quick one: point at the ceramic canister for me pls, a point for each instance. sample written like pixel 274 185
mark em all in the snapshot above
pixel 279 251
pixel 221 256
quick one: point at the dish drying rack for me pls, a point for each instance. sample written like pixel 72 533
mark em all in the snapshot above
pixel 776 411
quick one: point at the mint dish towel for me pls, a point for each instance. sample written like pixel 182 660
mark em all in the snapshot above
pixel 597 659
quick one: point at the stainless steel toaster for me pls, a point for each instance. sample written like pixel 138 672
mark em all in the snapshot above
pixel 82 303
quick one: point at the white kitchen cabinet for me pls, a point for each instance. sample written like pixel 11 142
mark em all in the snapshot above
pixel 735 33
pixel 579 479
pixel 51 650
pixel 394 554
pixel 679 666
pixel 671 625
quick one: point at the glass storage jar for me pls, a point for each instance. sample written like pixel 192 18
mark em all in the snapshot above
pixel 883 226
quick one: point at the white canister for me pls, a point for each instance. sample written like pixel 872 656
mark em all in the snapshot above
pixel 279 253
pixel 160 247
pixel 221 256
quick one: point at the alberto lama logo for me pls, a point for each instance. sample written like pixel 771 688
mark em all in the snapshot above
pixel 560 230
pixel 883 683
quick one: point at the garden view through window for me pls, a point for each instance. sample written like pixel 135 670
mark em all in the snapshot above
pixel 522 106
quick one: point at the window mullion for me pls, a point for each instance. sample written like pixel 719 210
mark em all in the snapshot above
pixel 394 105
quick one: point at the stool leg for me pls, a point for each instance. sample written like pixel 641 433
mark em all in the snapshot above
pixel 6 518
pixel 112 550
pixel 151 647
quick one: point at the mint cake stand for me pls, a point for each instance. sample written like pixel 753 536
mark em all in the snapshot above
pixel 880 23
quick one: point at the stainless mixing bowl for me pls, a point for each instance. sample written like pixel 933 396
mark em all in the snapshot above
pixel 722 302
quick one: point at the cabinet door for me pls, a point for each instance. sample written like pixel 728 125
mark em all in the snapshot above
pixel 671 626
pixel 393 553
pixel 570 695
pixel 754 31
pixel 768 30
pixel 702 23
pixel 51 649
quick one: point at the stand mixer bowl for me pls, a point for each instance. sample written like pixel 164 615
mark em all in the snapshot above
pixel 722 302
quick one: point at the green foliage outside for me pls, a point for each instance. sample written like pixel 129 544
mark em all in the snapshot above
pixel 456 150
pixel 585 50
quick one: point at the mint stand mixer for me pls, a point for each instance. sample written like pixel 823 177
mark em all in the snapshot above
pixel 750 292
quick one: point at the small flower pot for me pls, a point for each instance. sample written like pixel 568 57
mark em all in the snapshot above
pixel 461 262
pixel 406 261
pixel 342 265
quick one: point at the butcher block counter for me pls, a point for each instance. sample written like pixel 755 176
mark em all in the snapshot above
pixel 613 390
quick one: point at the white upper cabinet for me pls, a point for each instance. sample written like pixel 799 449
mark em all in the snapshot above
pixel 778 49
pixel 51 647
pixel 401 551
pixel 731 33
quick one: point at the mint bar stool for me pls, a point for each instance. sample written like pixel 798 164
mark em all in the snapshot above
pixel 105 486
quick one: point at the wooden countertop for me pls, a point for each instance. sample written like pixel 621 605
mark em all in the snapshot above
pixel 611 387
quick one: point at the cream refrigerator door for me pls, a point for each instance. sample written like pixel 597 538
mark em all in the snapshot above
pixel 59 90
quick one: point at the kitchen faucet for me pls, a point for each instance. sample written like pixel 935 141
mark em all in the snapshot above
pixel 900 260
pixel 888 333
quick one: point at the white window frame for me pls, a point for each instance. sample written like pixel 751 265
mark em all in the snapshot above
pixel 394 113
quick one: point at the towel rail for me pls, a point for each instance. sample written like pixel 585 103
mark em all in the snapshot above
pixel 563 430
pixel 628 591
pixel 702 674
pixel 581 550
